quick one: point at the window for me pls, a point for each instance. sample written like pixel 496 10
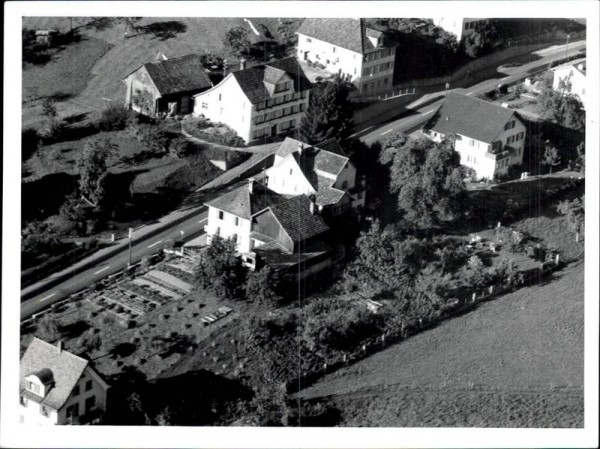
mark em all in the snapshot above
pixel 221 215
pixel 23 401
pixel 88 385
pixel 237 221
pixel 76 391
pixel 471 143
pixel 204 105
pixel 235 238
pixel 45 411
pixel 308 39
pixel 344 184
pixel 291 170
pixel 90 403
pixel 509 125
pixel 385 80
pixel 31 386
pixel 334 49
pixel 218 231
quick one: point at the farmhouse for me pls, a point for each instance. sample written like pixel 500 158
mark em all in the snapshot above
pixel 57 387
pixel 260 101
pixel 489 138
pixel 574 74
pixel 166 86
pixel 459 26
pixel 271 229
pixel 323 171
pixel 349 48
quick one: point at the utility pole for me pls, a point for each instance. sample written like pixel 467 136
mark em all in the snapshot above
pixel 567 48
pixel 130 236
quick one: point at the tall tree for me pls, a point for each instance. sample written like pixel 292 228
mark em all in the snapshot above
pixel 560 105
pixel 329 113
pixel 551 157
pixel 237 42
pixel 428 179
pixel 220 270
pixel 92 167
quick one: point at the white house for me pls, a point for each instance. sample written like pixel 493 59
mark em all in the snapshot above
pixel 323 171
pixel 58 387
pixel 257 102
pixel 489 137
pixel 349 48
pixel 573 73
pixel 459 26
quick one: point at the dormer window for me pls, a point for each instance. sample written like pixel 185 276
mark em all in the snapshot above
pixel 33 387
pixel 281 87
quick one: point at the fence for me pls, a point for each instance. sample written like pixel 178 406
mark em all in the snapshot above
pixel 456 307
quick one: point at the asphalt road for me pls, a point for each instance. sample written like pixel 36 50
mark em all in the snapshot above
pixel 191 228
pixel 419 112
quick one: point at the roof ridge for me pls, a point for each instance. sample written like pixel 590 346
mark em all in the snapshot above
pixel 63 351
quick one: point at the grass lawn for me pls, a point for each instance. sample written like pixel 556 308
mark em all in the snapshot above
pixel 516 361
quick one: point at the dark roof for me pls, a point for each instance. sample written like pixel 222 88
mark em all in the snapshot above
pixel 65 368
pixel 470 117
pixel 343 32
pixel 182 74
pixel 296 219
pixel 276 257
pixel 241 203
pixel 256 81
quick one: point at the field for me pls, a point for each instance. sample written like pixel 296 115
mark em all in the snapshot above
pixel 104 57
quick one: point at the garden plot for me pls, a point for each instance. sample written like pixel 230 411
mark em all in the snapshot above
pixel 169 281
pixel 150 284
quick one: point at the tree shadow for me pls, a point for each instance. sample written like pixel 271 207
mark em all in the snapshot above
pixel 123 350
pixel 164 30
pixel 75 329
pixel 43 198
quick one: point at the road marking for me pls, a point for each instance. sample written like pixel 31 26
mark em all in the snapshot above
pixel 427 112
pixel 388 131
pixel 102 269
pixel 470 93
pixel 47 297
pixel 204 219
pixel 154 244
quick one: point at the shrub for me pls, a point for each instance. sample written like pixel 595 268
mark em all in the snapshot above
pixel 115 117
pixel 179 147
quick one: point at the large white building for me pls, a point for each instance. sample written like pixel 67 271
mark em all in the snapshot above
pixel 349 48
pixel 320 170
pixel 573 73
pixel 459 26
pixel 260 101
pixel 57 387
pixel 489 138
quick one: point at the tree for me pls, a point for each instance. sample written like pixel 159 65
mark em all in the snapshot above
pixel 551 157
pixel 580 161
pixel 153 138
pixel 561 106
pixel 329 113
pixel 575 213
pixel 237 42
pixel 48 327
pixel 480 41
pixel 220 270
pixel 92 168
pixel 428 180
pixel 49 109
pixel 264 286
pixel 144 101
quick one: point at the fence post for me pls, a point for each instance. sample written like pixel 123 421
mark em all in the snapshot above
pixel 557 259
pixel 491 289
pixel 473 297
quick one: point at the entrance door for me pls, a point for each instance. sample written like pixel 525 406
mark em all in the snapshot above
pixel 273 130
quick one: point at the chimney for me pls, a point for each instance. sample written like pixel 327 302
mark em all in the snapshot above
pixel 300 148
pixel 311 206
pixel 59 345
pixel 251 185
pixel 242 64
pixel 225 67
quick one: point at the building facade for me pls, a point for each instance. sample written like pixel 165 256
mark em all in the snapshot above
pixel 58 387
pixel 489 138
pixel 459 26
pixel 349 48
pixel 258 102
pixel 575 75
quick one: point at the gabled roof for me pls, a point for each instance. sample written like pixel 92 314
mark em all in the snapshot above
pixel 470 117
pixel 66 369
pixel 342 32
pixel 294 216
pixel 241 203
pixel 182 74
pixel 254 80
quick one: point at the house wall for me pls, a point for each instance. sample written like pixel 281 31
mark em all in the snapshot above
pixel 97 390
pixel 287 178
pixel 31 415
pixel 335 59
pixel 140 81
pixel 227 228
pixel 227 103
pixel 267 224
pixel 377 74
